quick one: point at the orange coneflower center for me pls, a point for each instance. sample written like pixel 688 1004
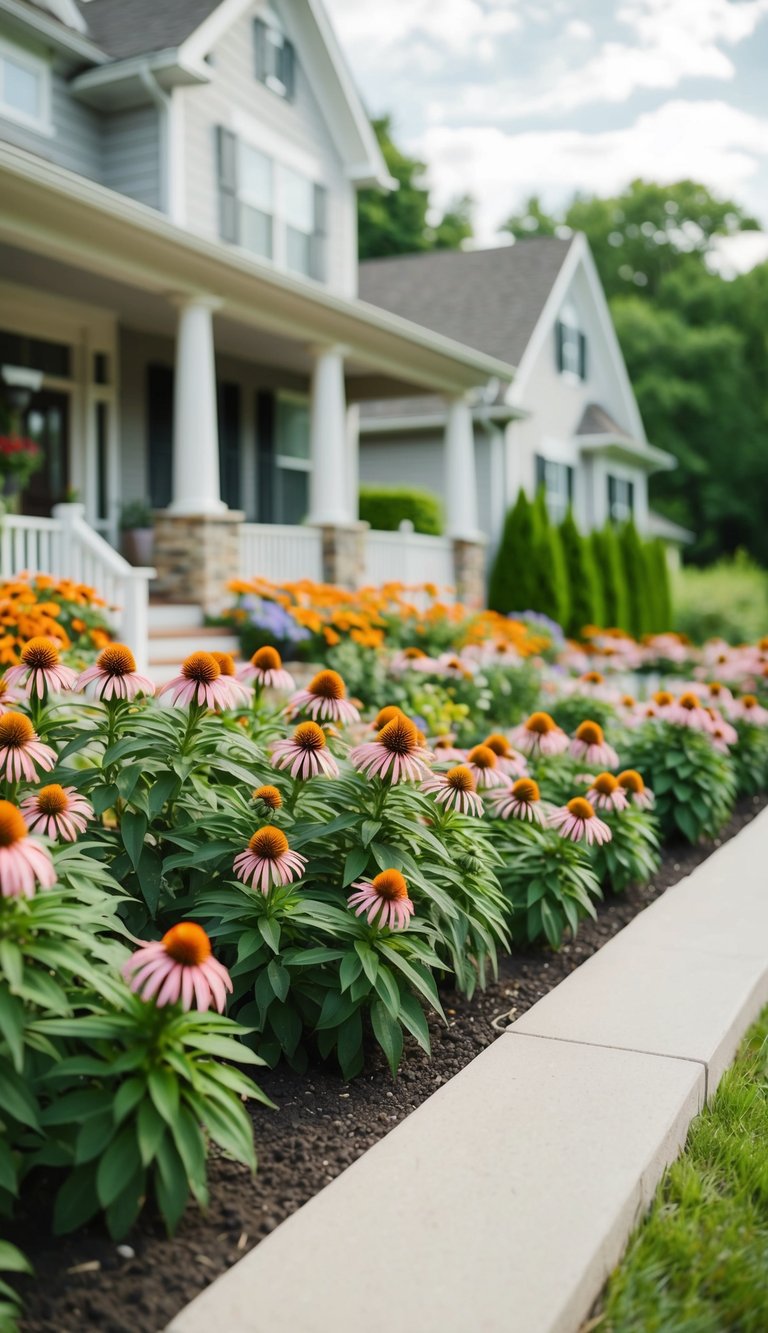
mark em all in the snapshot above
pixel 454 664
pixel 581 808
pixel 663 698
pixel 631 780
pixel 605 783
pixel 16 730
pixel 225 663
pixel 12 826
pixel 689 701
pixel 117 660
pixel 40 653
pixel 327 685
pixel 309 736
pixel 460 778
pixel 715 689
pixel 525 789
pixel 267 659
pixel 594 677
pixel 269 842
pixel 202 667
pixel 385 715
pixel 390 885
pixel 482 756
pixel 187 943
pixel 270 796
pixel 590 732
pixel 52 800
pixel 499 744
pixel 748 701
pixel 628 700
pixel 540 723
pixel 400 736
pixel 413 653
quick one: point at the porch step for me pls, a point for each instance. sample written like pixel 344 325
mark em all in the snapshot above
pixel 169 646
pixel 174 615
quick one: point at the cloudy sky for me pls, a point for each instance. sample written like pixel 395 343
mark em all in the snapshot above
pixel 505 98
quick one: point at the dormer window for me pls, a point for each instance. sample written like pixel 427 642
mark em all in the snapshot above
pixel 570 344
pixel 25 88
pixel 275 59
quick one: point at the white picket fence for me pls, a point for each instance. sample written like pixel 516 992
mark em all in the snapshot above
pixel 67 547
pixel 408 557
pixel 280 552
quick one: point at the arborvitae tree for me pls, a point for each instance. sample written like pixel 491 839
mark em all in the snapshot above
pixel 512 585
pixel 658 583
pixel 636 579
pixel 582 578
pixel 552 594
pixel 610 573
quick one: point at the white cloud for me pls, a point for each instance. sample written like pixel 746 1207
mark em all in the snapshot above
pixel 739 253
pixel 451 24
pixel 709 141
pixel 578 29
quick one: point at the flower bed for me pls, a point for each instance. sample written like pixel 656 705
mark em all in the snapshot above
pixel 238 843
pixel 71 614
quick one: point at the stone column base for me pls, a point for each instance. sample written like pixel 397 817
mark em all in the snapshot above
pixel 196 556
pixel 469 572
pixel 344 553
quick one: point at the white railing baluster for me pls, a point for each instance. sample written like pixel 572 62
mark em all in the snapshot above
pixel 280 552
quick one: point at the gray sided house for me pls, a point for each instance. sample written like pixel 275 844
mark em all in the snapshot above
pixel 568 421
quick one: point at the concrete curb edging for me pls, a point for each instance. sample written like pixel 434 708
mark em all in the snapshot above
pixel 503 1202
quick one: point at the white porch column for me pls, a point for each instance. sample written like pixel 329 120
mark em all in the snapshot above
pixel 329 486
pixel 196 485
pixel 460 474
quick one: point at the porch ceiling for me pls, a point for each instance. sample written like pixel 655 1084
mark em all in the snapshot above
pixel 64 234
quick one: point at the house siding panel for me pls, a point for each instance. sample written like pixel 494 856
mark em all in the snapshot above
pixel 76 140
pixel 131 154
pixel 299 125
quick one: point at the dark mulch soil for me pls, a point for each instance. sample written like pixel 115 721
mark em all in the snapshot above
pixel 322 1126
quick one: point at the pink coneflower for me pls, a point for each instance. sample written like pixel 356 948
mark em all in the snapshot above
pixel 449 664
pixel 114 675
pixel 688 711
pixel 58 812
pixel 397 753
pixel 721 733
pixel 239 693
pixel 266 669
pixel 383 899
pixel 631 782
pixel 179 968
pixel 520 801
pixel 577 820
pixel 305 753
pixel 9 697
pixel 24 863
pixel 446 752
pixel 606 793
pixel 200 682
pixel 510 762
pixel 41 671
pixel 590 744
pixel 325 698
pixel 412 659
pixel 22 752
pixel 483 764
pixel 455 790
pixel 746 709
pixel 268 860
pixel 540 734
pixel 719 696
pixel 386 714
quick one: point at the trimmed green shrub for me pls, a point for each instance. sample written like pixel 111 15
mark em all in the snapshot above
pixel 727 600
pixel 551 594
pixel 658 585
pixel 385 507
pixel 512 584
pixel 610 573
pixel 635 580
pixel 583 584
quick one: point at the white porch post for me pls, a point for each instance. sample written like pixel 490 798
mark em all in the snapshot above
pixel 196 485
pixel 460 475
pixel 329 484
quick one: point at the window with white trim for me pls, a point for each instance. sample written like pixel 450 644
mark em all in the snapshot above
pixel 621 499
pixel 275 59
pixel 25 88
pixel 570 344
pixel 293 463
pixel 557 481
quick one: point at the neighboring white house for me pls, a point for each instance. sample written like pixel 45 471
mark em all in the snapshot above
pixel 178 265
pixel 568 421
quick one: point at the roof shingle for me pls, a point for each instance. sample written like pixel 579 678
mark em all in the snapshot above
pixel 124 28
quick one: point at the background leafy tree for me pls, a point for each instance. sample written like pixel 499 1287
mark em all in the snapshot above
pixel 585 603
pixel 402 222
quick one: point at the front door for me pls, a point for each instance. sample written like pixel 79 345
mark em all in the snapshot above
pixel 46 421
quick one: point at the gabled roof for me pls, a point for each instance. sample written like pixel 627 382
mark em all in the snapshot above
pixel 596 421
pixel 125 28
pixel 489 299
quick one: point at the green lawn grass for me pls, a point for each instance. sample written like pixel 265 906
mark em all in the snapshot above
pixel 699 1262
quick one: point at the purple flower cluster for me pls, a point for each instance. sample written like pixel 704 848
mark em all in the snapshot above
pixel 545 623
pixel 274 619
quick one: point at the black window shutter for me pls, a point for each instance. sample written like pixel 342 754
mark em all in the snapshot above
pixel 265 456
pixel 288 68
pixel 226 160
pixel 260 53
pixel 159 409
pixel 228 403
pixel 569 474
pixel 582 356
pixel 611 497
pixel 541 472
pixel 631 496
pixel 317 244
pixel 559 344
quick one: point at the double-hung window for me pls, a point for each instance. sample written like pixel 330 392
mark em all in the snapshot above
pixel 275 59
pixel 25 88
pixel 557 481
pixel 570 345
pixel 292 457
pixel 621 499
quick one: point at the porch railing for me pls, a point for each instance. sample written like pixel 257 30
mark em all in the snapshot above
pixel 67 547
pixel 280 552
pixel 408 557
